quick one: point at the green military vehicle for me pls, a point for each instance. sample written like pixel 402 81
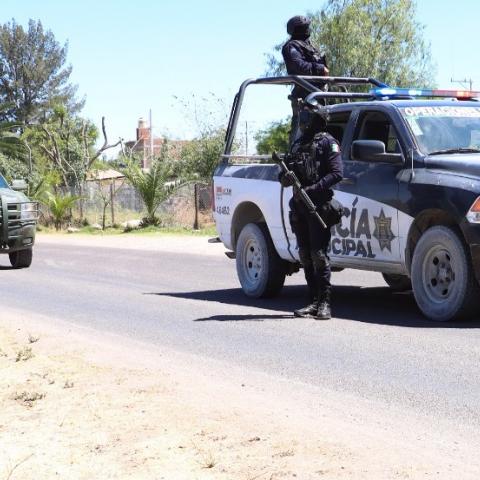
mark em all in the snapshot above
pixel 18 218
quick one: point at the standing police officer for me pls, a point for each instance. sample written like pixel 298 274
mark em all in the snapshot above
pixel 301 58
pixel 317 162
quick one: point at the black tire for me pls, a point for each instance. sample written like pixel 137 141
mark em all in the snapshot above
pixel 443 280
pixel 259 268
pixel 21 258
pixel 398 283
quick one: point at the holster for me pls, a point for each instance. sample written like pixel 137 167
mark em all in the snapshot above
pixel 331 212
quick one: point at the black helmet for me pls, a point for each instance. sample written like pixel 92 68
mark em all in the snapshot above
pixel 297 25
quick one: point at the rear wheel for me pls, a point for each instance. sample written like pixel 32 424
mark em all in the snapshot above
pixel 259 268
pixel 21 258
pixel 443 281
pixel 398 283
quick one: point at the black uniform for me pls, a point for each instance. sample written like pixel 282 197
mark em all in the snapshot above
pixel 301 58
pixel 319 167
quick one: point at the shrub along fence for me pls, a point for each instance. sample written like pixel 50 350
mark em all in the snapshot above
pixel 114 203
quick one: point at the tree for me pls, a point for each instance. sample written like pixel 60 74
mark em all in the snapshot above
pixel 67 144
pixel 12 151
pixel 10 143
pixel 370 38
pixel 200 156
pixel 105 191
pixel 152 186
pixel 274 138
pixel 33 74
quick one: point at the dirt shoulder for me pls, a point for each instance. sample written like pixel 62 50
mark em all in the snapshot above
pixel 78 404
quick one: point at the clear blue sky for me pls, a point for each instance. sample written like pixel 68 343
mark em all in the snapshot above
pixel 130 56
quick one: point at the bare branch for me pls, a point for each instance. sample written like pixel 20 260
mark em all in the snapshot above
pixel 105 145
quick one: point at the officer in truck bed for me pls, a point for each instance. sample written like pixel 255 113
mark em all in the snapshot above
pixel 301 58
pixel 317 162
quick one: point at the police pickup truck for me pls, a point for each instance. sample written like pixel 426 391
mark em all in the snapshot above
pixel 411 192
pixel 18 218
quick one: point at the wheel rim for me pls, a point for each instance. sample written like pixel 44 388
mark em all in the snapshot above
pixel 253 261
pixel 439 274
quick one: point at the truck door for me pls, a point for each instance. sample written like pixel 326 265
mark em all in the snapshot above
pixel 369 232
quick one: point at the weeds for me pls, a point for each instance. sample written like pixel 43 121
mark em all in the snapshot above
pixel 207 458
pixel 24 354
pixel 10 472
pixel 32 338
pixel 28 398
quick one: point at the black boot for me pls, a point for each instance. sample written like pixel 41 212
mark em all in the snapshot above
pixel 309 311
pixel 324 311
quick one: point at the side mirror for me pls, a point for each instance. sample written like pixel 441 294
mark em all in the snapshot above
pixel 373 151
pixel 19 185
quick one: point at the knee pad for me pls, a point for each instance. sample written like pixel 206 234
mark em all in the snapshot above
pixel 319 259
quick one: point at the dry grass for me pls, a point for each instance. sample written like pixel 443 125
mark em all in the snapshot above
pixel 28 398
pixel 33 338
pixel 24 354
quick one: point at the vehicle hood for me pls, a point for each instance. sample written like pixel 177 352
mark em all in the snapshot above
pixel 467 164
pixel 13 196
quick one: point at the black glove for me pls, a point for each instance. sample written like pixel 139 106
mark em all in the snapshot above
pixel 286 179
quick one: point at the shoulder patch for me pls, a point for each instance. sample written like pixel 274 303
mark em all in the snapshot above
pixel 334 147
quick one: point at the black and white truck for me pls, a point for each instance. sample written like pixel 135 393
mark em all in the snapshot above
pixel 411 192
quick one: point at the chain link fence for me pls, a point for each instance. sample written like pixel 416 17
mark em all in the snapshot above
pixel 190 206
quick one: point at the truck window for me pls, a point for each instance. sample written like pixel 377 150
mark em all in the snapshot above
pixel 337 125
pixel 377 126
pixel 444 127
pixel 3 183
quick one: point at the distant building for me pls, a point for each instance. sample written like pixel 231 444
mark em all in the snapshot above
pixel 142 146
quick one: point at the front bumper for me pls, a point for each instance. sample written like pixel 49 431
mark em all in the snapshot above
pixel 15 233
pixel 20 237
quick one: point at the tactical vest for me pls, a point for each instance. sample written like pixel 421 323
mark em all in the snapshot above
pixel 307 158
pixel 309 52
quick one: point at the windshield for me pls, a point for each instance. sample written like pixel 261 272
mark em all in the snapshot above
pixel 445 129
pixel 3 183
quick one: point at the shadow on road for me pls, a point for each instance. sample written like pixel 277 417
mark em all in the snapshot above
pixel 243 318
pixel 376 305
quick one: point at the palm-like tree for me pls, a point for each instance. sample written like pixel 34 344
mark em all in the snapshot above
pixel 60 207
pixel 152 186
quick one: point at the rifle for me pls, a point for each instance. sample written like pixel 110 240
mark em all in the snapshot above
pixel 306 200
pixel 323 59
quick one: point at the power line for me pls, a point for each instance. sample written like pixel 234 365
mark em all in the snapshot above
pixel 464 82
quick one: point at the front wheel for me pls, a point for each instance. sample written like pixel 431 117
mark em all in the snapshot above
pixel 21 258
pixel 443 280
pixel 259 268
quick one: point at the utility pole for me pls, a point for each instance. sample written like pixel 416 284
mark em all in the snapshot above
pixel 151 138
pixel 246 137
pixel 464 82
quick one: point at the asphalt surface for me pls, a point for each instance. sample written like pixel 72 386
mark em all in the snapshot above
pixel 377 347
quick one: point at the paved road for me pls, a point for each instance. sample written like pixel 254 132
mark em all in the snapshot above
pixel 378 346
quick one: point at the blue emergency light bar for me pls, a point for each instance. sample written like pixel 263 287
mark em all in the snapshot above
pixel 392 92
